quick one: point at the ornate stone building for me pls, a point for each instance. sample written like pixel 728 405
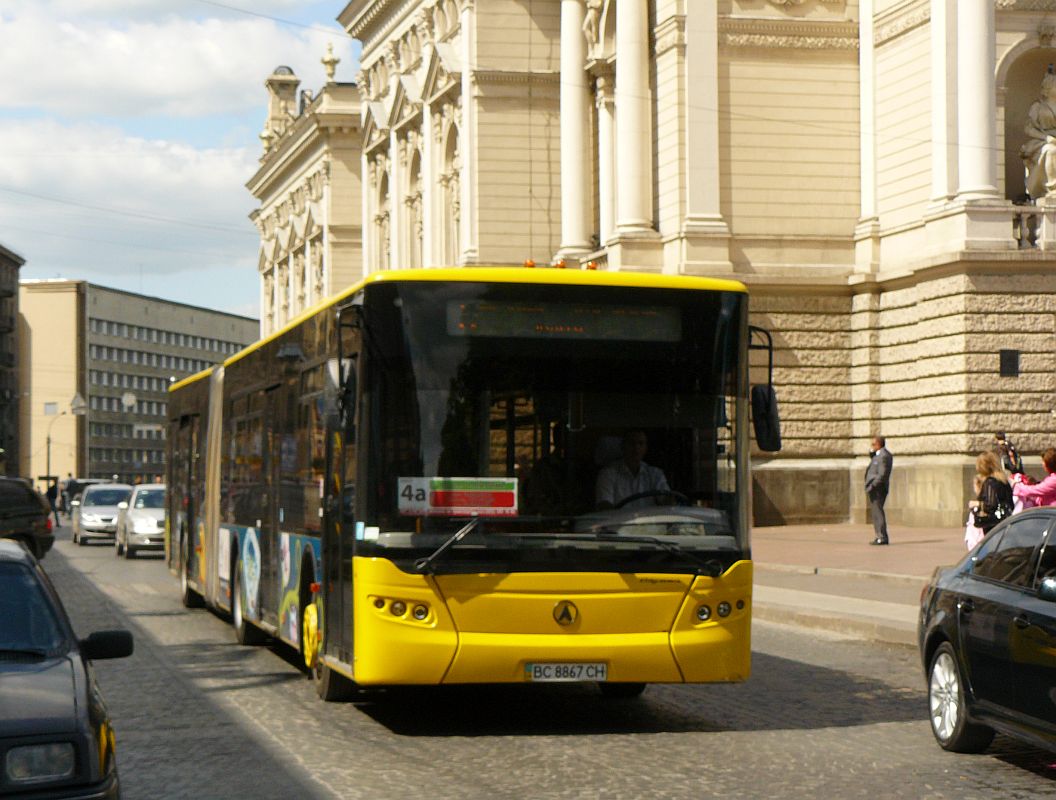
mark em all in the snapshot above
pixel 308 186
pixel 859 165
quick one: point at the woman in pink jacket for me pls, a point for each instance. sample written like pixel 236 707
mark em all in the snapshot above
pixel 1043 493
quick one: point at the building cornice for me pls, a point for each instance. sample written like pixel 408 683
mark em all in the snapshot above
pixel 901 19
pixel 1026 5
pixel 787 33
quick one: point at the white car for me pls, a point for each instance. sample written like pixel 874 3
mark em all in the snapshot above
pixel 141 521
pixel 95 513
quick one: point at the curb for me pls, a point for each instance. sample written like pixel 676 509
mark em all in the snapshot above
pixel 801 569
pixel 855 625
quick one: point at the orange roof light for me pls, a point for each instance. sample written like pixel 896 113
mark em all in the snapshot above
pixel 529 263
pixel 591 265
pixel 559 264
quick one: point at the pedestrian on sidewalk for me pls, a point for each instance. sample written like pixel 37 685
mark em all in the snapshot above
pixel 1040 494
pixel 994 500
pixel 52 493
pixel 877 483
pixel 1011 462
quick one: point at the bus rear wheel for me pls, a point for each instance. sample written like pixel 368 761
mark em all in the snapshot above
pixel 245 632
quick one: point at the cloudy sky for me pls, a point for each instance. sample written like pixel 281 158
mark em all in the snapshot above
pixel 128 129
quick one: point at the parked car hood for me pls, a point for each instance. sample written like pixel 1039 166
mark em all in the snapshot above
pixel 156 514
pixel 104 511
pixel 38 697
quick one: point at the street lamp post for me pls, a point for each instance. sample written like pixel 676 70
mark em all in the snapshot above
pixel 47 465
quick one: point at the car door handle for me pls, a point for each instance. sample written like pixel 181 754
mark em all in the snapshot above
pixel 1021 621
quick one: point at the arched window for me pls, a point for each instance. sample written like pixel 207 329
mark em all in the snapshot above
pixel 451 214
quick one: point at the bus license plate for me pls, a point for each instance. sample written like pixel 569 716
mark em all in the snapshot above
pixel 559 673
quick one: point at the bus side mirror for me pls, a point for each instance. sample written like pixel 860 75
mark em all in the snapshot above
pixel 766 419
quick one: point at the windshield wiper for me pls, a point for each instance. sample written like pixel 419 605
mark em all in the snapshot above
pixel 423 564
pixel 711 567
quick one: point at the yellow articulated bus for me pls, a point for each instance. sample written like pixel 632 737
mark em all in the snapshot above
pixel 486 475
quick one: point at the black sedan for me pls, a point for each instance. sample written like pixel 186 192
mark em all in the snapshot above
pixel 55 734
pixel 988 638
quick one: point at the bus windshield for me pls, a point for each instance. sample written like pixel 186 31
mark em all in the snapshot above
pixel 597 419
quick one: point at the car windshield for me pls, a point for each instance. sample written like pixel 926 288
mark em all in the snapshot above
pixel 105 497
pixel 30 625
pixel 150 498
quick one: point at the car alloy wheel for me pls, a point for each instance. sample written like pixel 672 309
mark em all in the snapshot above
pixel 947 708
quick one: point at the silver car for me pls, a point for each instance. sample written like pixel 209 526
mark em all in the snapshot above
pixel 141 521
pixel 95 513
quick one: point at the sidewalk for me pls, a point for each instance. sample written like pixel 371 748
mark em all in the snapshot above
pixel 829 576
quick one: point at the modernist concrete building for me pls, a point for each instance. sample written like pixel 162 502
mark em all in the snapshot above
pixel 95 367
pixel 10 263
pixel 308 186
pixel 859 165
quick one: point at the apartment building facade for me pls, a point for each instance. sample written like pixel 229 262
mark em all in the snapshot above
pixel 97 364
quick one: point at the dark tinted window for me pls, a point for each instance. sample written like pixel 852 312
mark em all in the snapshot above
pixel 150 498
pixel 29 621
pixel 105 497
pixel 14 493
pixel 1047 562
pixel 1011 558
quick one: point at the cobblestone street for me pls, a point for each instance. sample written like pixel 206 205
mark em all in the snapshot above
pixel 199 716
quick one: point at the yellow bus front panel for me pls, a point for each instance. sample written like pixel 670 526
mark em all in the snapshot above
pixel 487 628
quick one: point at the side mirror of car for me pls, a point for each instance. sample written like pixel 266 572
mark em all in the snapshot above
pixel 106 644
pixel 1047 590
pixel 122 504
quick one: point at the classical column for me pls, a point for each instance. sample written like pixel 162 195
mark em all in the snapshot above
pixel 943 100
pixel 606 153
pixel 429 179
pixel 396 192
pixel 575 107
pixel 867 111
pixel 976 100
pixel 702 116
pixel 468 137
pixel 634 100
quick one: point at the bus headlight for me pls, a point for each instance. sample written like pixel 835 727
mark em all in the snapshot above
pixel 724 609
pixel 420 612
pixel 398 608
pixel 703 613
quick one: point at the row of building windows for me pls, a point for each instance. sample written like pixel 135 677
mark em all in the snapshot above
pixel 121 455
pixel 101 353
pixel 146 407
pixel 117 430
pixel 147 383
pixel 144 334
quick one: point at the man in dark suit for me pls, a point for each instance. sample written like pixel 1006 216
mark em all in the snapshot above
pixel 877 482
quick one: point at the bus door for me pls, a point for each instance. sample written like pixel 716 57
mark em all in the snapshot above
pixel 339 531
pixel 184 531
pixel 268 535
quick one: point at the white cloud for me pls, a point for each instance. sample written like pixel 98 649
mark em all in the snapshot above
pixel 89 202
pixel 160 64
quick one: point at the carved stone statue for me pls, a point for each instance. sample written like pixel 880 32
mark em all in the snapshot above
pixel 1039 152
pixel 590 22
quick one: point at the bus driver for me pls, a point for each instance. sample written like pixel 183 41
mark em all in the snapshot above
pixel 630 475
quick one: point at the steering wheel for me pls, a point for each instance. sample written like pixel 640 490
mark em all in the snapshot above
pixel 681 498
